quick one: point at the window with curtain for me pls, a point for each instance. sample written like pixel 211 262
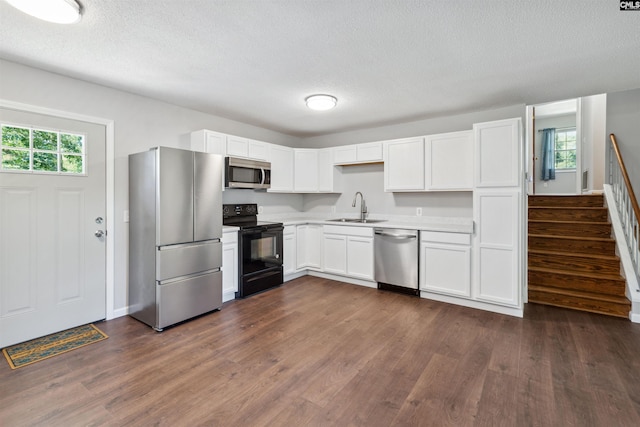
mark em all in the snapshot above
pixel 565 149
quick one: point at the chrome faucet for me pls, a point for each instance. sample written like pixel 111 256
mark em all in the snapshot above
pixel 363 205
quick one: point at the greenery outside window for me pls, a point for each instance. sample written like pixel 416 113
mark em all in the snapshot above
pixel 41 151
pixel 565 150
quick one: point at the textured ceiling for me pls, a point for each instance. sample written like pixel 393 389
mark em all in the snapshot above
pixel 387 61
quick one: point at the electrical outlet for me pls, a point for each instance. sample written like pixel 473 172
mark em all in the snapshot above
pixel 125 216
pixel 418 211
pixel 260 209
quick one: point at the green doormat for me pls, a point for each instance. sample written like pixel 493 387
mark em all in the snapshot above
pixel 29 352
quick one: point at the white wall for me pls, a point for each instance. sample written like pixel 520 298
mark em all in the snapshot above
pixel 565 182
pixel 422 127
pixel 369 180
pixel 140 123
pixel 623 120
pixel 594 118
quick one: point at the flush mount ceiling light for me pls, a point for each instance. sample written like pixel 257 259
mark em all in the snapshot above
pixel 321 102
pixel 56 11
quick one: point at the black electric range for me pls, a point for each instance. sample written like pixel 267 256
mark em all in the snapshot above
pixel 260 255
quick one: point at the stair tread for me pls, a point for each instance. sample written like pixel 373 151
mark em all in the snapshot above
pixel 600 208
pixel 554 236
pixel 577 223
pixel 590 275
pixel 575 254
pixel 580 294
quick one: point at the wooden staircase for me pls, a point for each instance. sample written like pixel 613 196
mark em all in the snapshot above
pixel 572 256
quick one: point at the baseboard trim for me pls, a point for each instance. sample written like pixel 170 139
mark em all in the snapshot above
pixel 120 312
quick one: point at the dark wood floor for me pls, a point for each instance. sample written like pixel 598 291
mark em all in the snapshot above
pixel 316 352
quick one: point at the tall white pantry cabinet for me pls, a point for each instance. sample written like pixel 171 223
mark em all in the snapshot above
pixel 497 212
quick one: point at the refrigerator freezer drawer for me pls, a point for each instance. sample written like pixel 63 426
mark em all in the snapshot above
pixel 182 260
pixel 184 299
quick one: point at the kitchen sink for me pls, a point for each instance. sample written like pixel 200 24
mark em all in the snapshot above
pixel 357 220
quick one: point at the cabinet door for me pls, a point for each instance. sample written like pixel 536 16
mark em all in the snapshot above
pixel 289 248
pixel 314 246
pixel 449 161
pixel 257 150
pixel 229 270
pixel 306 170
pixel 209 142
pixel 326 171
pixel 344 155
pixel 497 153
pixel 497 246
pixel 404 165
pixel 445 269
pixel 335 253
pixel 237 146
pixel 281 159
pixel 301 246
pixel 360 257
pixel 370 152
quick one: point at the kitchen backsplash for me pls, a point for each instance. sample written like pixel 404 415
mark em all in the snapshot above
pixel 368 179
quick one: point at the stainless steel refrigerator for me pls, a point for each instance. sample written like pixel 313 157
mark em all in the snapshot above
pixel 175 226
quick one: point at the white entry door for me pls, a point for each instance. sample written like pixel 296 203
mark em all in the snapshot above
pixel 52 224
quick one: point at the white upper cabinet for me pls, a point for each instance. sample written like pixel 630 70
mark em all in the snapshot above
pixel 328 176
pixel 449 162
pixel 237 146
pixel 497 152
pixel 228 145
pixel 209 142
pixel 314 171
pixel 282 165
pixel 345 155
pixel 370 152
pixel 258 150
pixel 305 170
pixel 246 148
pixel 404 164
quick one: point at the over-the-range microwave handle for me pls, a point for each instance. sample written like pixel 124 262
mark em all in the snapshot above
pixel 264 175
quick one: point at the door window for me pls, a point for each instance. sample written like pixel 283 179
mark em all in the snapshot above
pixel 27 149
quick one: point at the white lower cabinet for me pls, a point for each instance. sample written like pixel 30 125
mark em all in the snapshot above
pixel 348 251
pixel 309 246
pixel 229 265
pixel 360 257
pixel 335 253
pixel 290 264
pixel 445 263
pixel 497 245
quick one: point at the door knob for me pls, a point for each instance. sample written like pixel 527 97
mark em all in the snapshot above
pixel 99 233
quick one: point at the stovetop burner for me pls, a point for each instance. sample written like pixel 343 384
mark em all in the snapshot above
pixel 244 216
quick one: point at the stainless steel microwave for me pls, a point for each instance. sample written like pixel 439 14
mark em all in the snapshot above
pixel 245 173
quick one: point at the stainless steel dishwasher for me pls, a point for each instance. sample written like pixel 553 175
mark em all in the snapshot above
pixel 396 259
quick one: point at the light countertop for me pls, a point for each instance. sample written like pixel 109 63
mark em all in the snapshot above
pixel 442 224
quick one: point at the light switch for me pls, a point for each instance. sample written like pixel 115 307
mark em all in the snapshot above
pixel 125 216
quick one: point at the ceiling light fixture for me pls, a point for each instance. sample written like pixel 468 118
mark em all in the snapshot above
pixel 56 11
pixel 321 102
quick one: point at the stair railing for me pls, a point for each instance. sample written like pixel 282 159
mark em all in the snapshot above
pixel 626 202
